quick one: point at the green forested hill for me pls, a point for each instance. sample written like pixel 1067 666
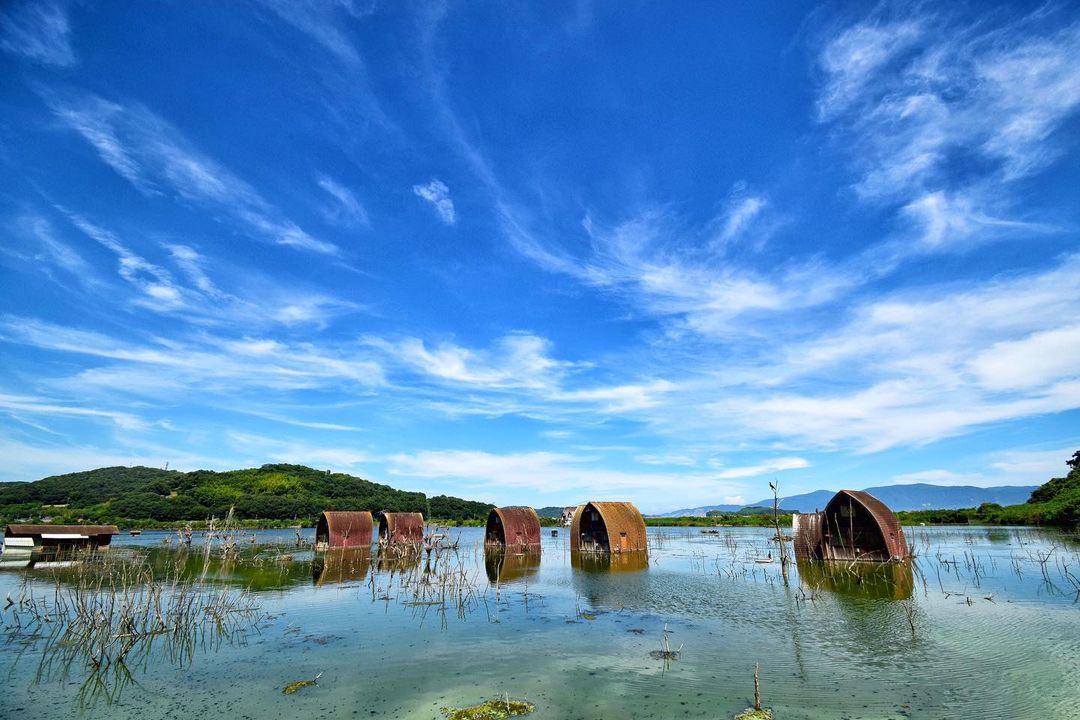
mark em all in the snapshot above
pixel 1055 502
pixel 271 492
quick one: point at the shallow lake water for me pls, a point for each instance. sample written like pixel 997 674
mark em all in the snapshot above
pixel 984 623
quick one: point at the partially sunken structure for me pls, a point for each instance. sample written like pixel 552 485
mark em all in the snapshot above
pixel 396 528
pixel 853 526
pixel 343 529
pixel 608 527
pixel 514 529
pixel 60 537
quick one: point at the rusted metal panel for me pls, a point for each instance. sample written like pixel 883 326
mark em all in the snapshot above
pixel 343 529
pixel 854 525
pixel 615 527
pixel 401 528
pixel 517 529
pixel 97 535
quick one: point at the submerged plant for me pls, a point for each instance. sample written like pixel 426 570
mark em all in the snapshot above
pixel 294 687
pixel 496 709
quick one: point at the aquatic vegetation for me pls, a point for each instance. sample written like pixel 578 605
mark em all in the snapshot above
pixel 292 688
pixel 496 709
pixel 752 714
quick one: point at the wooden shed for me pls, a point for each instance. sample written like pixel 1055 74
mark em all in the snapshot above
pixel 603 527
pixel 58 537
pixel 397 528
pixel 515 529
pixel 854 525
pixel 343 529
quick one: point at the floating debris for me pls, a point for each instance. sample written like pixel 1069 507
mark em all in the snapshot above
pixel 665 652
pixel 496 709
pixel 294 687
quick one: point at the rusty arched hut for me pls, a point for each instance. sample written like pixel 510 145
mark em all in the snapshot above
pixel 515 529
pixel 343 529
pixel 401 528
pixel 615 527
pixel 854 525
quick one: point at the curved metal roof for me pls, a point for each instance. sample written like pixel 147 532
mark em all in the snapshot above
pixel 619 518
pixel 885 518
pixel 344 528
pixel 520 527
pixel 401 527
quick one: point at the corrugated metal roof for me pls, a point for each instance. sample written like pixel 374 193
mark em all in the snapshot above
pixel 623 523
pixel 397 527
pixel 344 528
pixel 886 520
pixel 513 527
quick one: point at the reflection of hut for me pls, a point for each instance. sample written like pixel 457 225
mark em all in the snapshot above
pixel 341 565
pixel 608 527
pixel 609 562
pixel 58 537
pixel 854 526
pixel 516 529
pixel 398 558
pixel 505 567
pixel 396 528
pixel 878 581
pixel 343 529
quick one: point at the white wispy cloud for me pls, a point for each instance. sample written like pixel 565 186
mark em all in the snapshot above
pixel 34 405
pixel 764 468
pixel 437 193
pixel 154 156
pixel 347 210
pixel 212 366
pixel 560 474
pixel 38 30
pixel 325 22
pixel 916 95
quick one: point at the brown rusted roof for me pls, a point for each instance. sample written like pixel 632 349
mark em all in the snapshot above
pixel 619 518
pixel 885 518
pixel 344 528
pixel 397 527
pixel 17 530
pixel 519 526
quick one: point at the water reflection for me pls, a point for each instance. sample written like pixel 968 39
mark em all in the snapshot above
pixel 610 562
pixel 340 565
pixel 878 581
pixel 503 567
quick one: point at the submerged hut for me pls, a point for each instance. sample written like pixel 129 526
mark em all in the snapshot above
pixel 58 537
pixel 397 528
pixel 615 527
pixel 343 529
pixel 854 525
pixel 515 529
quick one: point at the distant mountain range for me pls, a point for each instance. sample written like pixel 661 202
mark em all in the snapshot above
pixel 917 496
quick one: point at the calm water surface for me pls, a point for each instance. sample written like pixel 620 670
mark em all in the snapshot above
pixel 995 615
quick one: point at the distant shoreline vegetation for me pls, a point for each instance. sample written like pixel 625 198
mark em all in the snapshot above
pixel 275 495
pixel 280 496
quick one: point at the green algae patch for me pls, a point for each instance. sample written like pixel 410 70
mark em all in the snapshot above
pixel 496 709
pixel 294 687
pixel 752 714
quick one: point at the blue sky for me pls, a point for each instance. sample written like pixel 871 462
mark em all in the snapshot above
pixel 540 253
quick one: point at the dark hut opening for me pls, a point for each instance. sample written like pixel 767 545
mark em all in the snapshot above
pixel 593 531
